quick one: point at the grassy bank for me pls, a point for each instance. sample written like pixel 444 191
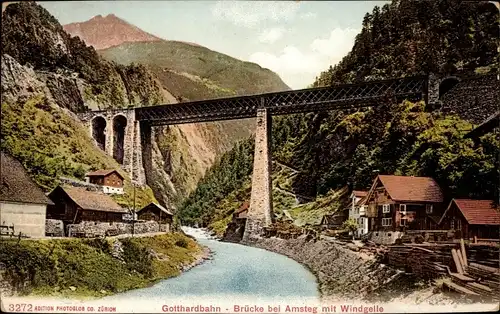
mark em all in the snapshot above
pixel 93 267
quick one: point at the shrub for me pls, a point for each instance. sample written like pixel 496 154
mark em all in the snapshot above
pixel 182 243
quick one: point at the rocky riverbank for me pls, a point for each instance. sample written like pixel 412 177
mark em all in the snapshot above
pixel 347 275
pixel 200 258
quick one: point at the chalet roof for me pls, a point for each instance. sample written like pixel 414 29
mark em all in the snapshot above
pixel 242 208
pixel 91 200
pixel 413 189
pixel 103 173
pixel 163 209
pixel 477 212
pixel 360 193
pixel 16 185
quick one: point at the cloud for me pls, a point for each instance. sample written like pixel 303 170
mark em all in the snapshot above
pixel 270 36
pixel 291 60
pixel 252 13
pixel 308 16
pixel 299 67
pixel 337 45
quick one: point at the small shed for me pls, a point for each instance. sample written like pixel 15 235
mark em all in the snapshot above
pixel 111 180
pixel 155 212
pixel 23 204
pixel 77 204
pixel 480 218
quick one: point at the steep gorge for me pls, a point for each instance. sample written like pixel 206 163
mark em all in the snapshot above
pixel 189 72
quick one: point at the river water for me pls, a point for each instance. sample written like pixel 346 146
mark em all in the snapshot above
pixel 235 272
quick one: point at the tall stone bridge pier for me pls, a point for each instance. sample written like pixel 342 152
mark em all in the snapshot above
pixel 125 134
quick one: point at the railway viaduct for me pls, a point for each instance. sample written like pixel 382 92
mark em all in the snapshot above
pixel 125 134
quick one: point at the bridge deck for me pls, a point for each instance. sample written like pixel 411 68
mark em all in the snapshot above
pixel 288 102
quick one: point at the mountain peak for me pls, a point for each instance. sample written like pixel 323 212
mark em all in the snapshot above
pixel 111 30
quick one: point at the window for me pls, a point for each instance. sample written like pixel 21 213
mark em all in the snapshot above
pixel 452 224
pixel 428 209
pixel 386 222
pixel 386 208
pixel 402 208
pixel 404 222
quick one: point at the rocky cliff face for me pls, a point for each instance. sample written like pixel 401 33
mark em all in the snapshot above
pixel 75 75
pixel 117 31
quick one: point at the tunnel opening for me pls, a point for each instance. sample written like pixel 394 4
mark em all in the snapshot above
pixel 446 85
pixel 119 125
pixel 99 131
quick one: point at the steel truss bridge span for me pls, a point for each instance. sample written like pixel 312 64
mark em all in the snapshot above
pixel 348 96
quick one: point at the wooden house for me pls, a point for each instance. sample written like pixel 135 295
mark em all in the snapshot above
pixel 110 180
pixel 334 221
pixel 76 204
pixel 473 218
pixel 399 203
pixel 23 204
pixel 155 212
pixel 357 211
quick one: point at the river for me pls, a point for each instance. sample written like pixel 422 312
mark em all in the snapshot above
pixel 235 272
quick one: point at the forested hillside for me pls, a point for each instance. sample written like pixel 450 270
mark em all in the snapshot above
pixel 337 149
pixel 417 37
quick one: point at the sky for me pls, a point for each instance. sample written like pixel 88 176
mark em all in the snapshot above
pixel 296 39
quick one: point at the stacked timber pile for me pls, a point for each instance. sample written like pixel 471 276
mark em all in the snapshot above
pixel 464 269
pixel 487 276
pixel 425 260
pixel 483 254
pixel 283 230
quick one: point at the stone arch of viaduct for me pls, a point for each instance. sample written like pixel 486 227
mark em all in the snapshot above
pixel 118 133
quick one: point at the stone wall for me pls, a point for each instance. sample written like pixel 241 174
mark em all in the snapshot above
pixel 341 272
pixel 54 228
pixel 473 99
pixel 384 237
pixel 101 229
pixel 234 231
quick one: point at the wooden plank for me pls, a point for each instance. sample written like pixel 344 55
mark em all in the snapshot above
pixel 462 277
pixel 480 286
pixel 486 268
pixel 458 288
pixel 462 249
pixel 460 258
pixel 457 261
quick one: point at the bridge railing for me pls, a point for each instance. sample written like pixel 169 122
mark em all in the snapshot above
pixel 305 100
